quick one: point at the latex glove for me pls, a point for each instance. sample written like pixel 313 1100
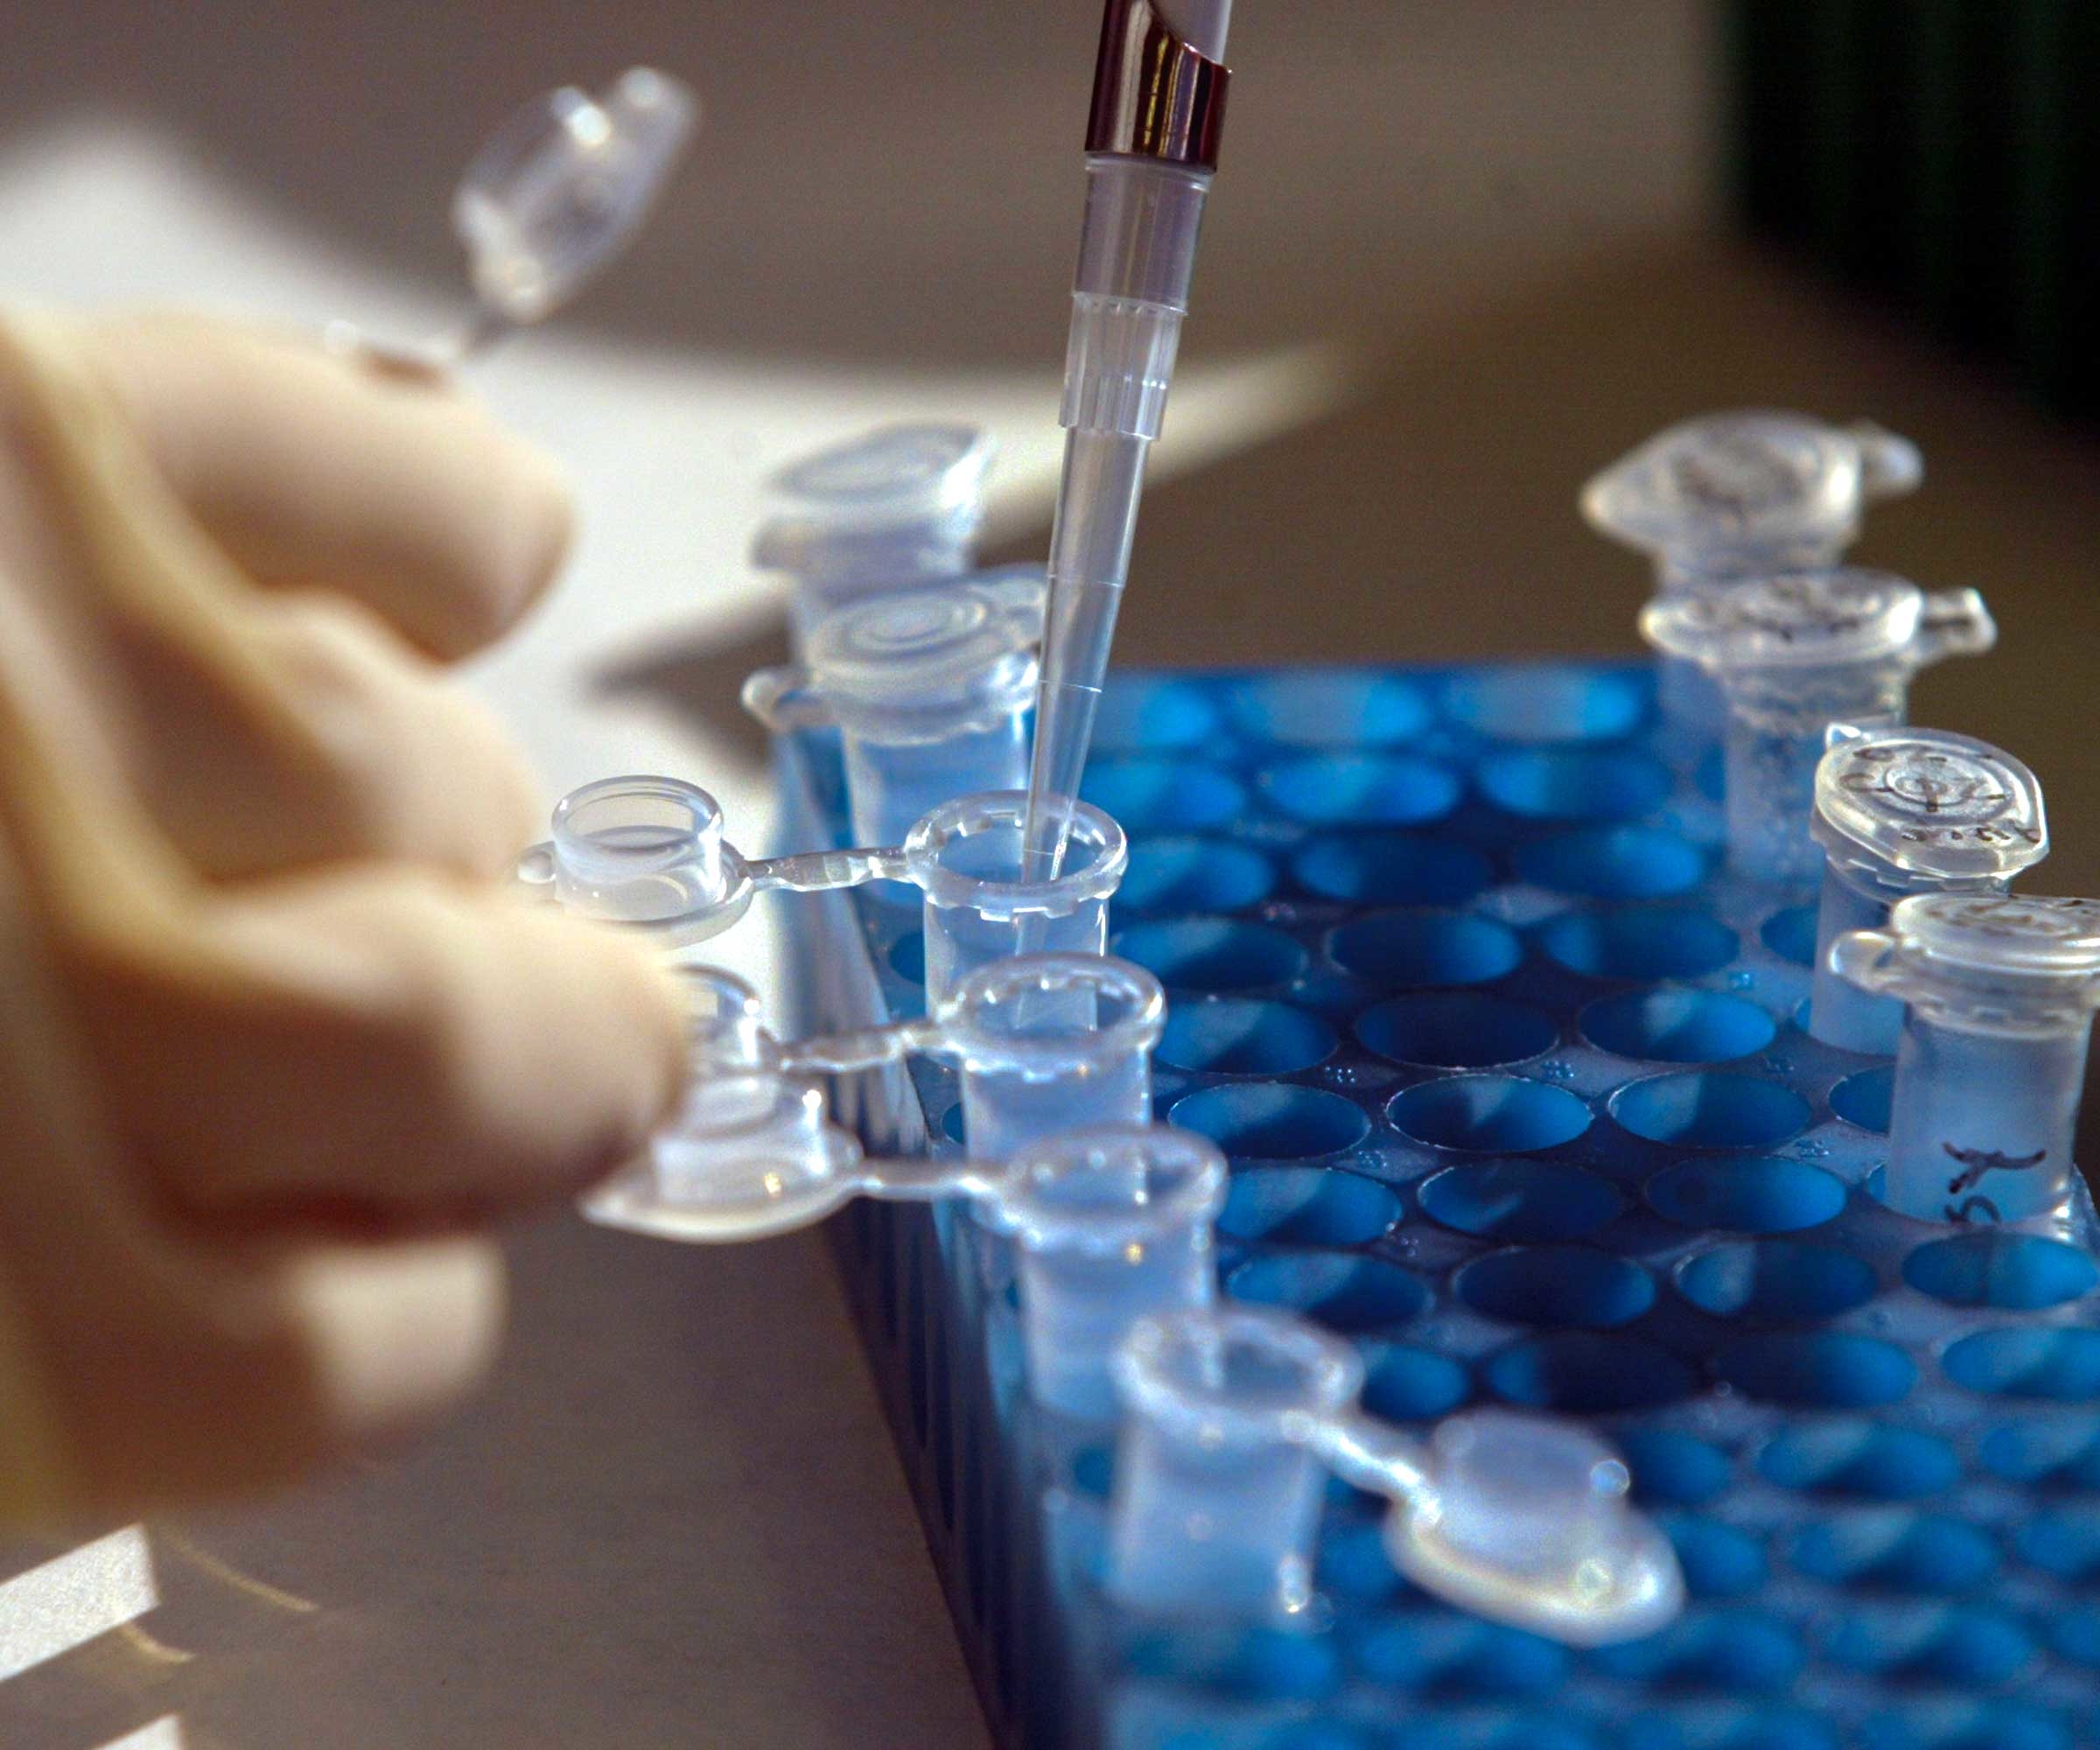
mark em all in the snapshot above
pixel 276 1041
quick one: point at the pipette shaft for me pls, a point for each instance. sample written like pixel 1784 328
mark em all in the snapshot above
pixel 1151 146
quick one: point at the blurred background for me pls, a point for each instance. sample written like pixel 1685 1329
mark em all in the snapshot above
pixel 1461 254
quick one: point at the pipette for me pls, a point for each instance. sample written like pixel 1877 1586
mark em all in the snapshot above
pixel 555 194
pixel 1152 148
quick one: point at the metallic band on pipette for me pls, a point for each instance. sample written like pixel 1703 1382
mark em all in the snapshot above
pixel 1154 95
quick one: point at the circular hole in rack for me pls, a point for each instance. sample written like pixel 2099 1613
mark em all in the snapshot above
pixel 1850 1455
pixel 2019 1273
pixel 1307 1206
pixel 907 957
pixel 1677 1025
pixel 1455 1030
pixel 1558 1285
pixel 1791 935
pixel 2060 1364
pixel 1391 868
pixel 1579 1373
pixel 1212 954
pixel 1776 1279
pixel 1710 1108
pixel 1640 943
pixel 1361 789
pixel 1345 1294
pixel 1612 862
pixel 1574 784
pixel 1719 1561
pixel 1543 703
pixel 1826 1369
pixel 1330 708
pixel 1243 1036
pixel 1164 795
pixel 1674 1468
pixel 1929 1554
pixel 1426 947
pixel 1405 1384
pixel 1489 1114
pixel 1153 715
pixel 2032 1449
pixel 1526 1201
pixel 1180 874
pixel 1244 1665
pixel 1273 1120
pixel 1863 1099
pixel 1768 1196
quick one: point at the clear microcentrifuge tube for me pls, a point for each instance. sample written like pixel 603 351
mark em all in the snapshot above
pixel 1109 1223
pixel 648 853
pixel 966 857
pixel 1042 1044
pixel 1794 654
pixel 2000 993
pixel 1748 493
pixel 1903 811
pixel 1234 1417
pixel 930 688
pixel 1111 1226
pixel 893 508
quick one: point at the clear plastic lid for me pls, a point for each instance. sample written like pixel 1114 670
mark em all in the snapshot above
pixel 1530 1522
pixel 644 852
pixel 1927 803
pixel 1750 481
pixel 899 650
pixel 890 480
pixel 563 186
pixel 1838 618
pixel 2020 933
pixel 748 1156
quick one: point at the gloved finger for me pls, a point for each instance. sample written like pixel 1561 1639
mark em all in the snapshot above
pixel 144 1360
pixel 383 1038
pixel 313 471
pixel 369 752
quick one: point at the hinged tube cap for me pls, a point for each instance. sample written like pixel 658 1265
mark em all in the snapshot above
pixel 1928 805
pixel 563 186
pixel 913 485
pixel 1804 622
pixel 1728 488
pixel 2014 962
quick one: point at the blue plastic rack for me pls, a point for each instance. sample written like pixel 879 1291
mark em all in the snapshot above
pixel 1511 1082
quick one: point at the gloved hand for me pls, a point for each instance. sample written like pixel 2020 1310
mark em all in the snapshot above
pixel 275 1044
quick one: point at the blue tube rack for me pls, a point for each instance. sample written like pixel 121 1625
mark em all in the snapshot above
pixel 1512 1080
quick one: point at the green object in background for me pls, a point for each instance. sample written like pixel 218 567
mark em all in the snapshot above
pixel 1945 154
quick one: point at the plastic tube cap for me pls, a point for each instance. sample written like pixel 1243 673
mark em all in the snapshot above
pixel 1749 481
pixel 896 650
pixel 1927 803
pixel 2016 963
pixel 1840 617
pixel 563 186
pixel 891 480
pixel 1530 1522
